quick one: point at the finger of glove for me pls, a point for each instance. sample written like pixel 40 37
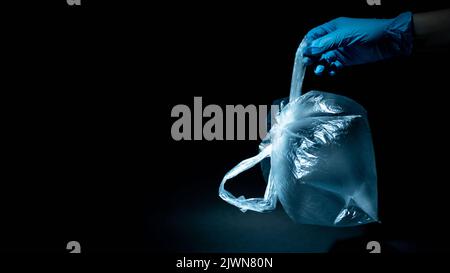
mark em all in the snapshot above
pixel 329 56
pixel 319 70
pixel 334 67
pixel 307 61
pixel 331 66
pixel 330 41
pixel 332 58
pixel 320 31
pixel 337 65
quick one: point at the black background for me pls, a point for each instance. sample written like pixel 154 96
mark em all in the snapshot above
pixel 88 155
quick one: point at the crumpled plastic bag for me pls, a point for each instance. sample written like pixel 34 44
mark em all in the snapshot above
pixel 322 161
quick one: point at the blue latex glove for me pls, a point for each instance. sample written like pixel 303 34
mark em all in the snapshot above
pixel 349 41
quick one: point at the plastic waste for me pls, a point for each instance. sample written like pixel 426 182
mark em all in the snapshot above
pixel 322 165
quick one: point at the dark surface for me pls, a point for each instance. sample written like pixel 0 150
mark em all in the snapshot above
pixel 88 155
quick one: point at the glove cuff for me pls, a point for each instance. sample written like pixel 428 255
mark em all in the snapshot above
pixel 400 31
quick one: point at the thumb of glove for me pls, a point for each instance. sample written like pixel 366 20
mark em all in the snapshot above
pixel 326 43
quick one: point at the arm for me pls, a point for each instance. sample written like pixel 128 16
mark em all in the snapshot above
pixel 432 29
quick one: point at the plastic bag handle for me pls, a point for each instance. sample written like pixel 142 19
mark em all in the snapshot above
pixel 298 73
pixel 268 202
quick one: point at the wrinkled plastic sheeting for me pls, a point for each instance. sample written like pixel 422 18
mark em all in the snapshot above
pixel 322 164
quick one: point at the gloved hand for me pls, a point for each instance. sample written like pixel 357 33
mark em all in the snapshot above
pixel 349 41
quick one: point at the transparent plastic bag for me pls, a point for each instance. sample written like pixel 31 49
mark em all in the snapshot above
pixel 322 161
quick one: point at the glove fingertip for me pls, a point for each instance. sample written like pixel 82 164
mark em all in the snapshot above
pixel 338 64
pixel 319 70
pixel 307 61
